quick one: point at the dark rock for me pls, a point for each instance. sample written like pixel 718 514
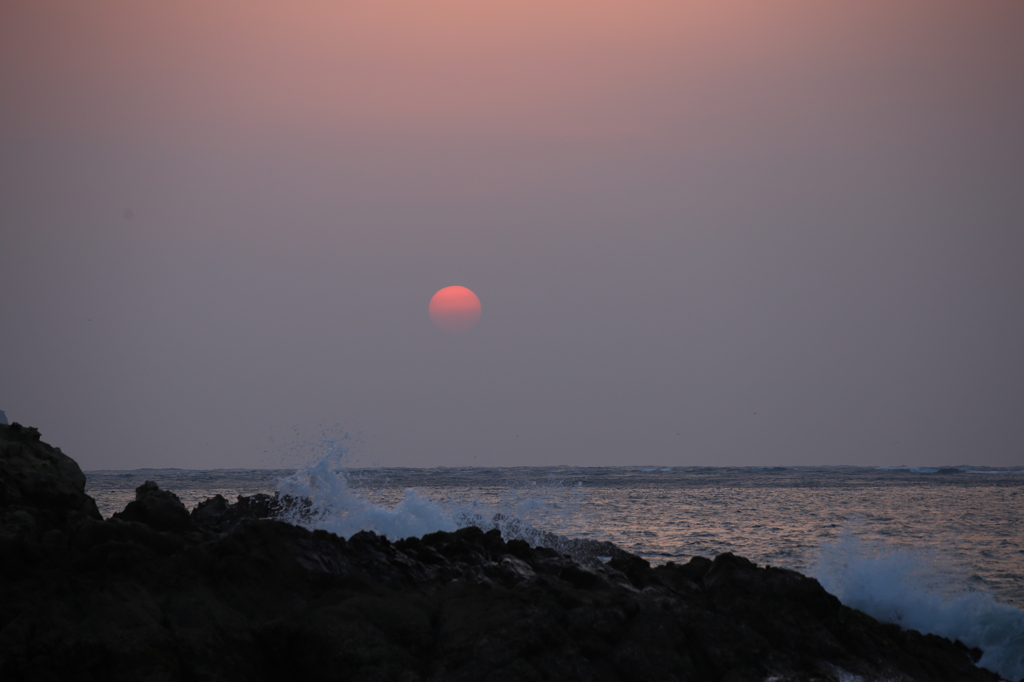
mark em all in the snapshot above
pixel 221 516
pixel 35 476
pixel 636 569
pixel 229 593
pixel 160 509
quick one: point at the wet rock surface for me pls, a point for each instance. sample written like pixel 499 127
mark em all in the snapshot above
pixel 227 592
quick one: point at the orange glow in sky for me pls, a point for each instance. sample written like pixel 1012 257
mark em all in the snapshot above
pixel 750 216
pixel 606 69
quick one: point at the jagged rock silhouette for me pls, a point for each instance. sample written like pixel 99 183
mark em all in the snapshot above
pixel 227 592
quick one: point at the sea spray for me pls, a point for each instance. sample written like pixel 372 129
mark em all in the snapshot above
pixel 542 513
pixel 334 506
pixel 912 590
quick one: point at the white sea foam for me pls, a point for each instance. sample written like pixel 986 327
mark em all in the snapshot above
pixel 339 507
pixel 909 588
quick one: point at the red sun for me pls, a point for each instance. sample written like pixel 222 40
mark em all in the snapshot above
pixel 454 309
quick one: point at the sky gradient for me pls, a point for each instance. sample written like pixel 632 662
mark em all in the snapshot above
pixel 729 233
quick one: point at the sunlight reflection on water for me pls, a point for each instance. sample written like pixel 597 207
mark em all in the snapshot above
pixel 777 517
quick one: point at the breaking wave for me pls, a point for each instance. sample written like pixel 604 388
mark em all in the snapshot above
pixel 913 590
pixel 541 515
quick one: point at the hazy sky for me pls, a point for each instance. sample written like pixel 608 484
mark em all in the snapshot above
pixel 707 233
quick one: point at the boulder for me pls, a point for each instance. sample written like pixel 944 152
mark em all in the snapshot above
pixel 35 476
pixel 160 509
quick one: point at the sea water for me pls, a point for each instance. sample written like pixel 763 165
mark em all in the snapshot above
pixel 939 550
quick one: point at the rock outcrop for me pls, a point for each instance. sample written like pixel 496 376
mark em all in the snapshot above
pixel 40 481
pixel 229 593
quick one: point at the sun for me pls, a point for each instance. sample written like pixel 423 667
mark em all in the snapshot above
pixel 454 309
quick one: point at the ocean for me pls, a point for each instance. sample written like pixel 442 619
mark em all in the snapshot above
pixel 939 550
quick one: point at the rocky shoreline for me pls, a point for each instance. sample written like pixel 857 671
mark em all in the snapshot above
pixel 227 592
